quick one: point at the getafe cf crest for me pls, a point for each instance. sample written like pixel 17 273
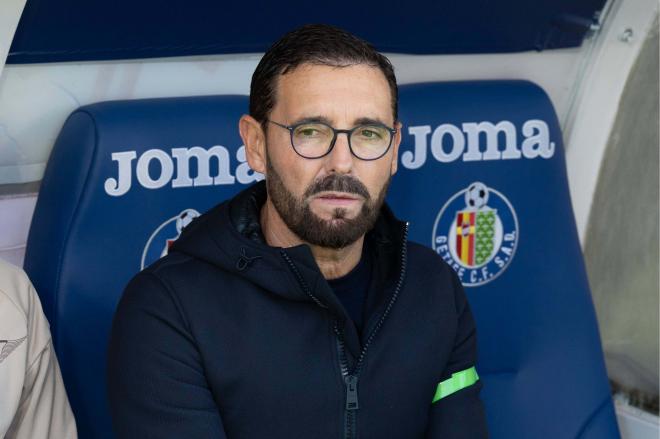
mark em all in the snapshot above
pixel 476 232
pixel 163 237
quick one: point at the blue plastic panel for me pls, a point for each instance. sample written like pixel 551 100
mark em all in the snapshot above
pixel 80 30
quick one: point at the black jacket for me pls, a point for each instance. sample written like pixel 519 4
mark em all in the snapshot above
pixel 229 337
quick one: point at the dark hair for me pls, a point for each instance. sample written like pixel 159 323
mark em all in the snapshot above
pixel 318 44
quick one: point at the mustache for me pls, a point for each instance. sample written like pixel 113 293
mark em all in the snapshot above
pixel 338 183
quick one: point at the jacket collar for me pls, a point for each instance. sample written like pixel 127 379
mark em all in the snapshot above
pixel 385 239
pixel 230 237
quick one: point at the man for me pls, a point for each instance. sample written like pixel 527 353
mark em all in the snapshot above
pixel 299 309
pixel 33 401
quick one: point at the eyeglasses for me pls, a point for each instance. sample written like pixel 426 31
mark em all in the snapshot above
pixel 313 140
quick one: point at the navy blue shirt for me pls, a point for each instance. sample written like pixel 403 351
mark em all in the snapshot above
pixel 351 289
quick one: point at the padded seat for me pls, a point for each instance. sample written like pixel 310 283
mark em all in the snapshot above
pixel 540 355
pixel 481 178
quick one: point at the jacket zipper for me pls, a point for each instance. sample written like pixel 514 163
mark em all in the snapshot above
pixel 350 381
pixel 350 378
pixel 301 280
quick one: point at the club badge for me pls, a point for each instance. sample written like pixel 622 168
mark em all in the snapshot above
pixel 476 232
pixel 163 237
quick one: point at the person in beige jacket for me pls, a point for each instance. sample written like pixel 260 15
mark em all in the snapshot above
pixel 33 401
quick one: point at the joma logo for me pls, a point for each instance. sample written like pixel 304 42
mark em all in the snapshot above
pixel 472 141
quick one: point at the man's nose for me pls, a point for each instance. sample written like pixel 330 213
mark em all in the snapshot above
pixel 340 159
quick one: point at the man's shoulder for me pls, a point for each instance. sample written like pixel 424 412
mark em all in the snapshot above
pixel 154 289
pixel 421 257
pixel 170 269
pixel 428 271
pixel 177 277
pixel 24 330
pixel 15 305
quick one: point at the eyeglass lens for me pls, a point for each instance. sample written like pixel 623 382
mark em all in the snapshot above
pixel 367 141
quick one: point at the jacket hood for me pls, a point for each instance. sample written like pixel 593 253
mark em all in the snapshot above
pixel 229 236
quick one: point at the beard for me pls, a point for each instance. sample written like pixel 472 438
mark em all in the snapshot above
pixel 335 233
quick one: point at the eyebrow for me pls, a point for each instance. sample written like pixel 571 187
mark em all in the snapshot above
pixel 369 121
pixel 325 120
pixel 313 119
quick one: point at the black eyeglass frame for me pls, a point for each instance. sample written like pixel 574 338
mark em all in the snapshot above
pixel 336 132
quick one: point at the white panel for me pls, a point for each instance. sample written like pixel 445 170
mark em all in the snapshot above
pixel 36 99
pixel 14 256
pixel 10 14
pixel 15 217
pixel 598 103
pixel 635 423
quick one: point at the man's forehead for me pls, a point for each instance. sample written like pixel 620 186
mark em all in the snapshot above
pixel 348 93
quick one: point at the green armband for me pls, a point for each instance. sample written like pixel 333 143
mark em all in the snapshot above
pixel 458 381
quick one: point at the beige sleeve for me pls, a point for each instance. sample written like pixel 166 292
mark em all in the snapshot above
pixel 44 410
pixel 40 405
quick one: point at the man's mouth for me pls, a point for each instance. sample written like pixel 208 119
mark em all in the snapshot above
pixel 338 198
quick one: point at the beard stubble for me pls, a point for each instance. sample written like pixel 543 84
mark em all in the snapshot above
pixel 336 233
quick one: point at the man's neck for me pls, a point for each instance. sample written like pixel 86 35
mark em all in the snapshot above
pixel 333 263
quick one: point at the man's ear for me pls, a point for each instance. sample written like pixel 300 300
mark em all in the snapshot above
pixel 254 140
pixel 396 141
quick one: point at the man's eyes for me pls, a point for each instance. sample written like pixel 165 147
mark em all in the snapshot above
pixel 370 134
pixel 362 132
pixel 311 131
pixel 308 132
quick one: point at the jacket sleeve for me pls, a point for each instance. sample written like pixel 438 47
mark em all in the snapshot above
pixel 456 411
pixel 43 409
pixel 156 383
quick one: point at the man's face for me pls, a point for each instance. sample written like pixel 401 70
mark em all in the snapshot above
pixel 330 201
